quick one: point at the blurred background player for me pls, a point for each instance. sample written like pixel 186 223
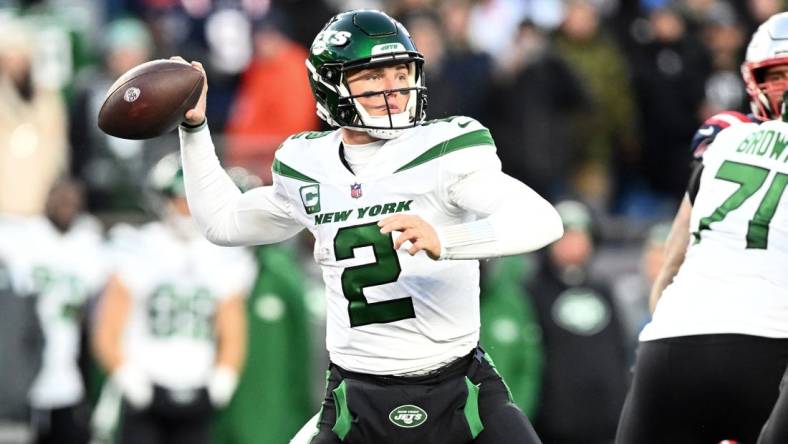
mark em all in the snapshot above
pixel 20 355
pixel 58 259
pixel 171 328
pixel 710 361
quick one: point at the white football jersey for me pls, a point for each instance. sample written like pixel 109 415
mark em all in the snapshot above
pixel 176 284
pixel 733 279
pixel 62 270
pixel 388 312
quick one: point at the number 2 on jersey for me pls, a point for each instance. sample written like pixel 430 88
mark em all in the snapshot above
pixel 384 270
pixel 750 178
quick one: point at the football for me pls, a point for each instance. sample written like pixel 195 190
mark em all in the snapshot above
pixel 150 99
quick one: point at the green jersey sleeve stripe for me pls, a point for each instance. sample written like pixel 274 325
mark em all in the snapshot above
pixel 467 140
pixel 286 171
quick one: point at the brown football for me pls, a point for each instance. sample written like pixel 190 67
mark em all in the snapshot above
pixel 150 99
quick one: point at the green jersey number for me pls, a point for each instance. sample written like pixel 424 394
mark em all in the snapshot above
pixel 384 270
pixel 750 178
pixel 47 283
pixel 174 314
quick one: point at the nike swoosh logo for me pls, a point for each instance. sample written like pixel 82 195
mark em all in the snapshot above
pixel 706 131
pixel 463 125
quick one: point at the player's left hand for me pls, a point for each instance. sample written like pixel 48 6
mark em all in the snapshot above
pixel 413 229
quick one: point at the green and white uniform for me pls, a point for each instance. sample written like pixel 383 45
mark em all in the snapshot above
pixel 63 270
pixel 388 312
pixel 733 278
pixel 176 284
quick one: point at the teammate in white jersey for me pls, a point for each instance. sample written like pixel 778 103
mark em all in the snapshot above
pixel 710 361
pixel 390 199
pixel 171 324
pixel 58 259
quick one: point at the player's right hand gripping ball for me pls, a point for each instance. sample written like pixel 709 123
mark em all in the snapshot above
pixel 150 99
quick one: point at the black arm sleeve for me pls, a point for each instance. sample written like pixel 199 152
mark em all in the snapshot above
pixel 694 181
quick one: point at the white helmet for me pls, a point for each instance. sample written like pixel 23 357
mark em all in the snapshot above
pixel 768 47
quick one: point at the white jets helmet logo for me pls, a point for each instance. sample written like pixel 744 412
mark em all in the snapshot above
pixel 329 37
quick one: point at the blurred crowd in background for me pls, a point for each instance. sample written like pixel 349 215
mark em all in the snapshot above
pixel 592 103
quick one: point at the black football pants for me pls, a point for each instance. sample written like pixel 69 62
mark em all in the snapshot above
pixel 504 422
pixel 702 389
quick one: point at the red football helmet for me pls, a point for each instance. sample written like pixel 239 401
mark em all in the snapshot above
pixel 768 48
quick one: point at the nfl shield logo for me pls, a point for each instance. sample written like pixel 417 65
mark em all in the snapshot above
pixel 355 190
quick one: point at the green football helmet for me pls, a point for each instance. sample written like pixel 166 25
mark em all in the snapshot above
pixel 165 181
pixel 166 177
pixel 356 40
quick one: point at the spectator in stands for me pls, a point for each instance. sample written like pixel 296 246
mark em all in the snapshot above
pixel 757 11
pixel 301 27
pixel 453 66
pixel 607 131
pixel 263 114
pixel 723 34
pixel 33 143
pixel 535 92
pixel 670 69
pixel 405 10
pixel 494 23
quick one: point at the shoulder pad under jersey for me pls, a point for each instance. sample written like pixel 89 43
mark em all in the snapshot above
pixel 712 126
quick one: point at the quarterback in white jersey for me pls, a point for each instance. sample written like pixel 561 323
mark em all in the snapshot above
pixel 421 312
pixel 711 359
pixel 57 258
pixel 171 323
pixel 389 199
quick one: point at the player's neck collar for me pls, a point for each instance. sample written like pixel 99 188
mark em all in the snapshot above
pixel 354 157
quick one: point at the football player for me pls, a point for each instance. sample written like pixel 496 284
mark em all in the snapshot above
pixel 171 324
pixel 710 361
pixel 57 258
pixel 393 202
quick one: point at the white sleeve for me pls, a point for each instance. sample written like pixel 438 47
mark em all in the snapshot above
pixel 225 215
pixel 514 219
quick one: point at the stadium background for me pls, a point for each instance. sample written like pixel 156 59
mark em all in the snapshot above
pixel 590 100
